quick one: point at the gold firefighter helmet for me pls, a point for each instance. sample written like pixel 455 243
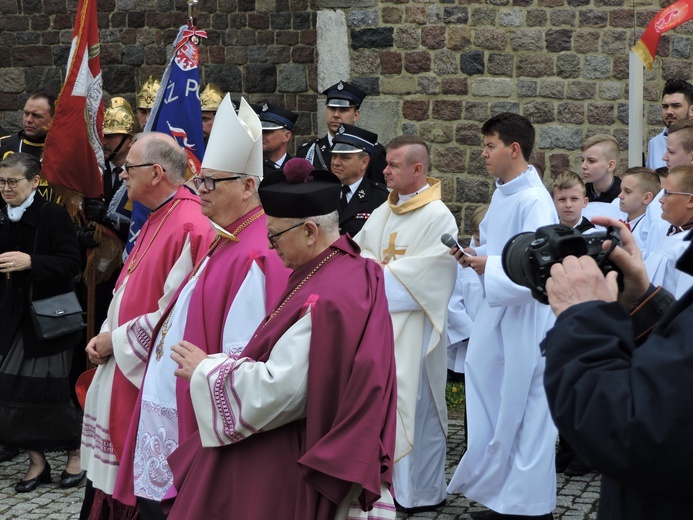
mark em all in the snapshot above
pixel 211 98
pixel 119 118
pixel 145 98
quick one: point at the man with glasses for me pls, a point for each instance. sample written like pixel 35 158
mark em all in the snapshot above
pixel 217 309
pixel 677 210
pixel 173 239
pixel 403 236
pixel 302 421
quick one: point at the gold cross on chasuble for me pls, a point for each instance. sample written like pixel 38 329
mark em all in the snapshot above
pixel 391 251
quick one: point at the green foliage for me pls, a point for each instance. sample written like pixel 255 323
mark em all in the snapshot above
pixel 454 396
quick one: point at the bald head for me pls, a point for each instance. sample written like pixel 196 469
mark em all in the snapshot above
pixel 163 149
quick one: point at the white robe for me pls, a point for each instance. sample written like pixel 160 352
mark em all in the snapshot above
pixel 509 463
pixel 419 279
pixel 661 265
pixel 464 305
pixel 656 147
pixel 657 226
pixel 157 431
pixel 260 396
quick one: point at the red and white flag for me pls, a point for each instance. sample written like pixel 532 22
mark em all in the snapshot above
pixel 668 18
pixel 73 157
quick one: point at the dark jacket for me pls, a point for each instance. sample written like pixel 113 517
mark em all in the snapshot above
pixel 271 167
pixel 626 410
pixel 375 167
pixel 54 264
pixel 368 196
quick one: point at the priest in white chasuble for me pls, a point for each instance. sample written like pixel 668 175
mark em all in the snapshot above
pixel 403 236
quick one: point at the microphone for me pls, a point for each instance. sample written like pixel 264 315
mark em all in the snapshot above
pixel 448 240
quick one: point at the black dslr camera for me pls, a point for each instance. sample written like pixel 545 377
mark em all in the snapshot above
pixel 527 257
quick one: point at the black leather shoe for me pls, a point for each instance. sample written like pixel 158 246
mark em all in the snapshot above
pixel 577 468
pixel 419 509
pixel 68 480
pixel 7 453
pixel 26 486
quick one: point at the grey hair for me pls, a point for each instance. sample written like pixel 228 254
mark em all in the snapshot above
pixel 170 156
pixel 27 163
pixel 328 223
pixel 256 181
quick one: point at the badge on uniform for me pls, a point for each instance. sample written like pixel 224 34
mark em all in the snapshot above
pixel 362 216
pixel 361 194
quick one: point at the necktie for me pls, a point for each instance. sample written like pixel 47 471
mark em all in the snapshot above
pixel 626 223
pixel 343 202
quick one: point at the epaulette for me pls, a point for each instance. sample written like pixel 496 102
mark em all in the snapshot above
pixel 309 143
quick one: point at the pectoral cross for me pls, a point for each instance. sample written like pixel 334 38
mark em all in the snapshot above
pixel 391 251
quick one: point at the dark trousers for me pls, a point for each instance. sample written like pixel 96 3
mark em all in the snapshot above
pixel 150 509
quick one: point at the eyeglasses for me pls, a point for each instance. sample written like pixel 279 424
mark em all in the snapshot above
pixel 273 239
pixel 666 193
pixel 12 183
pixel 128 167
pixel 210 182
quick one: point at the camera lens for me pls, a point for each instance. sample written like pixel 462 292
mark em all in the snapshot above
pixel 515 255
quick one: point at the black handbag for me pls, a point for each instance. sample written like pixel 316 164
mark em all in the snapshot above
pixel 57 316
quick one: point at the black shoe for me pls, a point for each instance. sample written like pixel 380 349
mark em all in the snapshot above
pixel 69 480
pixel 487 514
pixel 419 509
pixel 25 486
pixel 7 453
pixel 564 455
pixel 577 468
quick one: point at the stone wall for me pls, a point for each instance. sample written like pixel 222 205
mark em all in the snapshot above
pixel 438 68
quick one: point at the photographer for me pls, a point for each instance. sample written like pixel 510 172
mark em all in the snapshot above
pixel 619 380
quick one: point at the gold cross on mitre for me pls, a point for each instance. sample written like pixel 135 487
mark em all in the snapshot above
pixel 391 251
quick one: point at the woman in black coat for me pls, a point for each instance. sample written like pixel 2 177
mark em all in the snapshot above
pixel 39 254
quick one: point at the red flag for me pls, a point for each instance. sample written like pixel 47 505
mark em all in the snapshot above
pixel 73 157
pixel 665 20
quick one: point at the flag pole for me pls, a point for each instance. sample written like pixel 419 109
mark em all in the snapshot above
pixel 635 110
pixel 192 17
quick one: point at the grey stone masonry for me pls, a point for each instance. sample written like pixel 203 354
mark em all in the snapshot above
pixel 563 63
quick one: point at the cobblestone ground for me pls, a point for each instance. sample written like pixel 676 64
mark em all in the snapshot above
pixel 577 496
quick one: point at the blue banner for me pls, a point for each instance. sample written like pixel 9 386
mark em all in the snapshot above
pixel 177 111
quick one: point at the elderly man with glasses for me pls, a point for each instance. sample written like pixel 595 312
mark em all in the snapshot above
pixel 217 309
pixel 303 421
pixel 173 239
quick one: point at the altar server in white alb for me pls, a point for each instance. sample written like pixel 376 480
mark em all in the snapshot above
pixel 403 235
pixel 509 463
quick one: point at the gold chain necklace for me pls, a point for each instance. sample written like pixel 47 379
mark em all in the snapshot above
pixel 136 259
pixel 217 244
pixel 301 284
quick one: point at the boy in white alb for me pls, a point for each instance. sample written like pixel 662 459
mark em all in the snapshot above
pixel 677 210
pixel 638 189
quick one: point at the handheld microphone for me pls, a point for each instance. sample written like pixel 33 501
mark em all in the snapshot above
pixel 448 240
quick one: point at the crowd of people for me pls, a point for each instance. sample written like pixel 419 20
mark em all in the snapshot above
pixel 277 342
